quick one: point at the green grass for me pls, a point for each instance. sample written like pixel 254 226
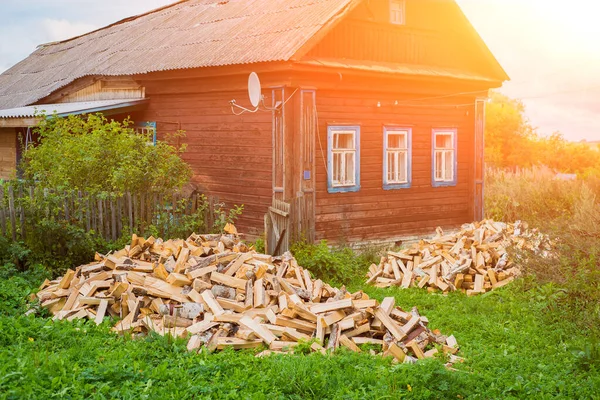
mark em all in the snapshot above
pixel 513 346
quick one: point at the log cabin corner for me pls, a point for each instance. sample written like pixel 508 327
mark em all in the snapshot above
pixel 371 123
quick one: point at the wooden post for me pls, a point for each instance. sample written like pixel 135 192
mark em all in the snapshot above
pixel 22 214
pixel 100 219
pixel 142 213
pixel 92 201
pixel 113 219
pixel 11 210
pixel 119 216
pixel 66 206
pixel 2 211
pixel 130 211
pixel 88 213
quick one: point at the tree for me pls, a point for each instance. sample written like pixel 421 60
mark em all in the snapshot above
pixel 96 155
pixel 511 142
pixel 508 133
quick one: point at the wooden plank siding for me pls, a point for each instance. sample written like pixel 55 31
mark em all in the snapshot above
pixel 372 212
pixel 8 153
pixel 433 35
pixel 230 155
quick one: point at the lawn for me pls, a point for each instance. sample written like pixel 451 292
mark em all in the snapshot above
pixel 513 343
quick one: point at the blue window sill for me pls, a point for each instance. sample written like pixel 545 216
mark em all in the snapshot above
pixel 346 189
pixel 396 186
pixel 443 184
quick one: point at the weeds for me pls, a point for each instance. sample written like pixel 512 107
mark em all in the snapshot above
pixel 337 265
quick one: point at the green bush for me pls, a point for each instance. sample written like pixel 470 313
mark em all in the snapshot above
pixel 338 265
pixel 95 155
pixel 16 286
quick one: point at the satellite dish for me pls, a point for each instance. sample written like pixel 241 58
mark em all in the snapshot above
pixel 254 89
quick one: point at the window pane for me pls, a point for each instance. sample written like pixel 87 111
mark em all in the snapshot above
pixel 443 141
pixel 391 166
pixel 349 173
pixel 337 167
pixel 402 173
pixel 343 140
pixel 397 141
pixel 449 166
pixel 438 165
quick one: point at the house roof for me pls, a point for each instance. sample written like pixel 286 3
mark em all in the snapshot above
pixel 192 34
pixel 187 34
pixel 63 109
pixel 394 68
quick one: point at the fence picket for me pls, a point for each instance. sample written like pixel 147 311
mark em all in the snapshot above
pixel 11 210
pixel 107 217
pixel 2 211
pixel 100 219
pixel 22 214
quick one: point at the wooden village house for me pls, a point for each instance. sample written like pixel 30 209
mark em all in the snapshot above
pixel 370 126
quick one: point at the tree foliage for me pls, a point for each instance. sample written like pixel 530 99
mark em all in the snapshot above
pixel 96 155
pixel 512 142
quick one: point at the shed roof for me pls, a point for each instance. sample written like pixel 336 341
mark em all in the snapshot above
pixel 64 109
pixel 187 34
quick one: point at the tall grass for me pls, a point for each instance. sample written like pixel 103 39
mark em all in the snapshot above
pixel 568 210
pixel 540 198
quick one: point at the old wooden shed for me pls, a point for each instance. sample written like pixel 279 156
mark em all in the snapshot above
pixel 370 127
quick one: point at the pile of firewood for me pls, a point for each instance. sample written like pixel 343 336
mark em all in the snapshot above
pixel 219 293
pixel 474 260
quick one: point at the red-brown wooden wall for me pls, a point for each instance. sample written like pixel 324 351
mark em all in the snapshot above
pixel 375 213
pixel 230 155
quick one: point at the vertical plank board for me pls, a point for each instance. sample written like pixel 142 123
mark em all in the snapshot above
pixel 142 213
pixel 2 212
pixel 130 211
pixel 92 203
pixel 194 205
pixel 149 208
pixel 113 218
pixel 12 211
pixel 106 222
pixel 120 202
pixel 88 211
pixel 80 208
pixel 136 219
pixel 22 214
pixel 100 218
pixel 66 206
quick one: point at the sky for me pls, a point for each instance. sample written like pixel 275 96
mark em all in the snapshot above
pixel 550 48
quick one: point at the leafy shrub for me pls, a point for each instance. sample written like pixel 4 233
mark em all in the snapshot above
pixel 338 265
pixel 15 286
pixel 95 155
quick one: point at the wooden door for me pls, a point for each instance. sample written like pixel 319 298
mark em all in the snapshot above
pixel 305 167
pixel 277 228
pixel 479 159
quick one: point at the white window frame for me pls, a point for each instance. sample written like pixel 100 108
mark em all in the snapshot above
pixel 387 151
pixel 147 128
pixel 446 178
pixel 346 184
pixel 398 12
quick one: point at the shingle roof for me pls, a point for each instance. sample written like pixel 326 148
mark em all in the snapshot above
pixel 188 34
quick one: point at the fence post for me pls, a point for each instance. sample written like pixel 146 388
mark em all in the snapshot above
pixel 142 212
pixel 130 209
pixel 22 214
pixel 113 219
pixel 100 219
pixel 2 211
pixel 11 210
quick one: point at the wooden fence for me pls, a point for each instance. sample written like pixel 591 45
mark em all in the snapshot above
pixel 21 207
